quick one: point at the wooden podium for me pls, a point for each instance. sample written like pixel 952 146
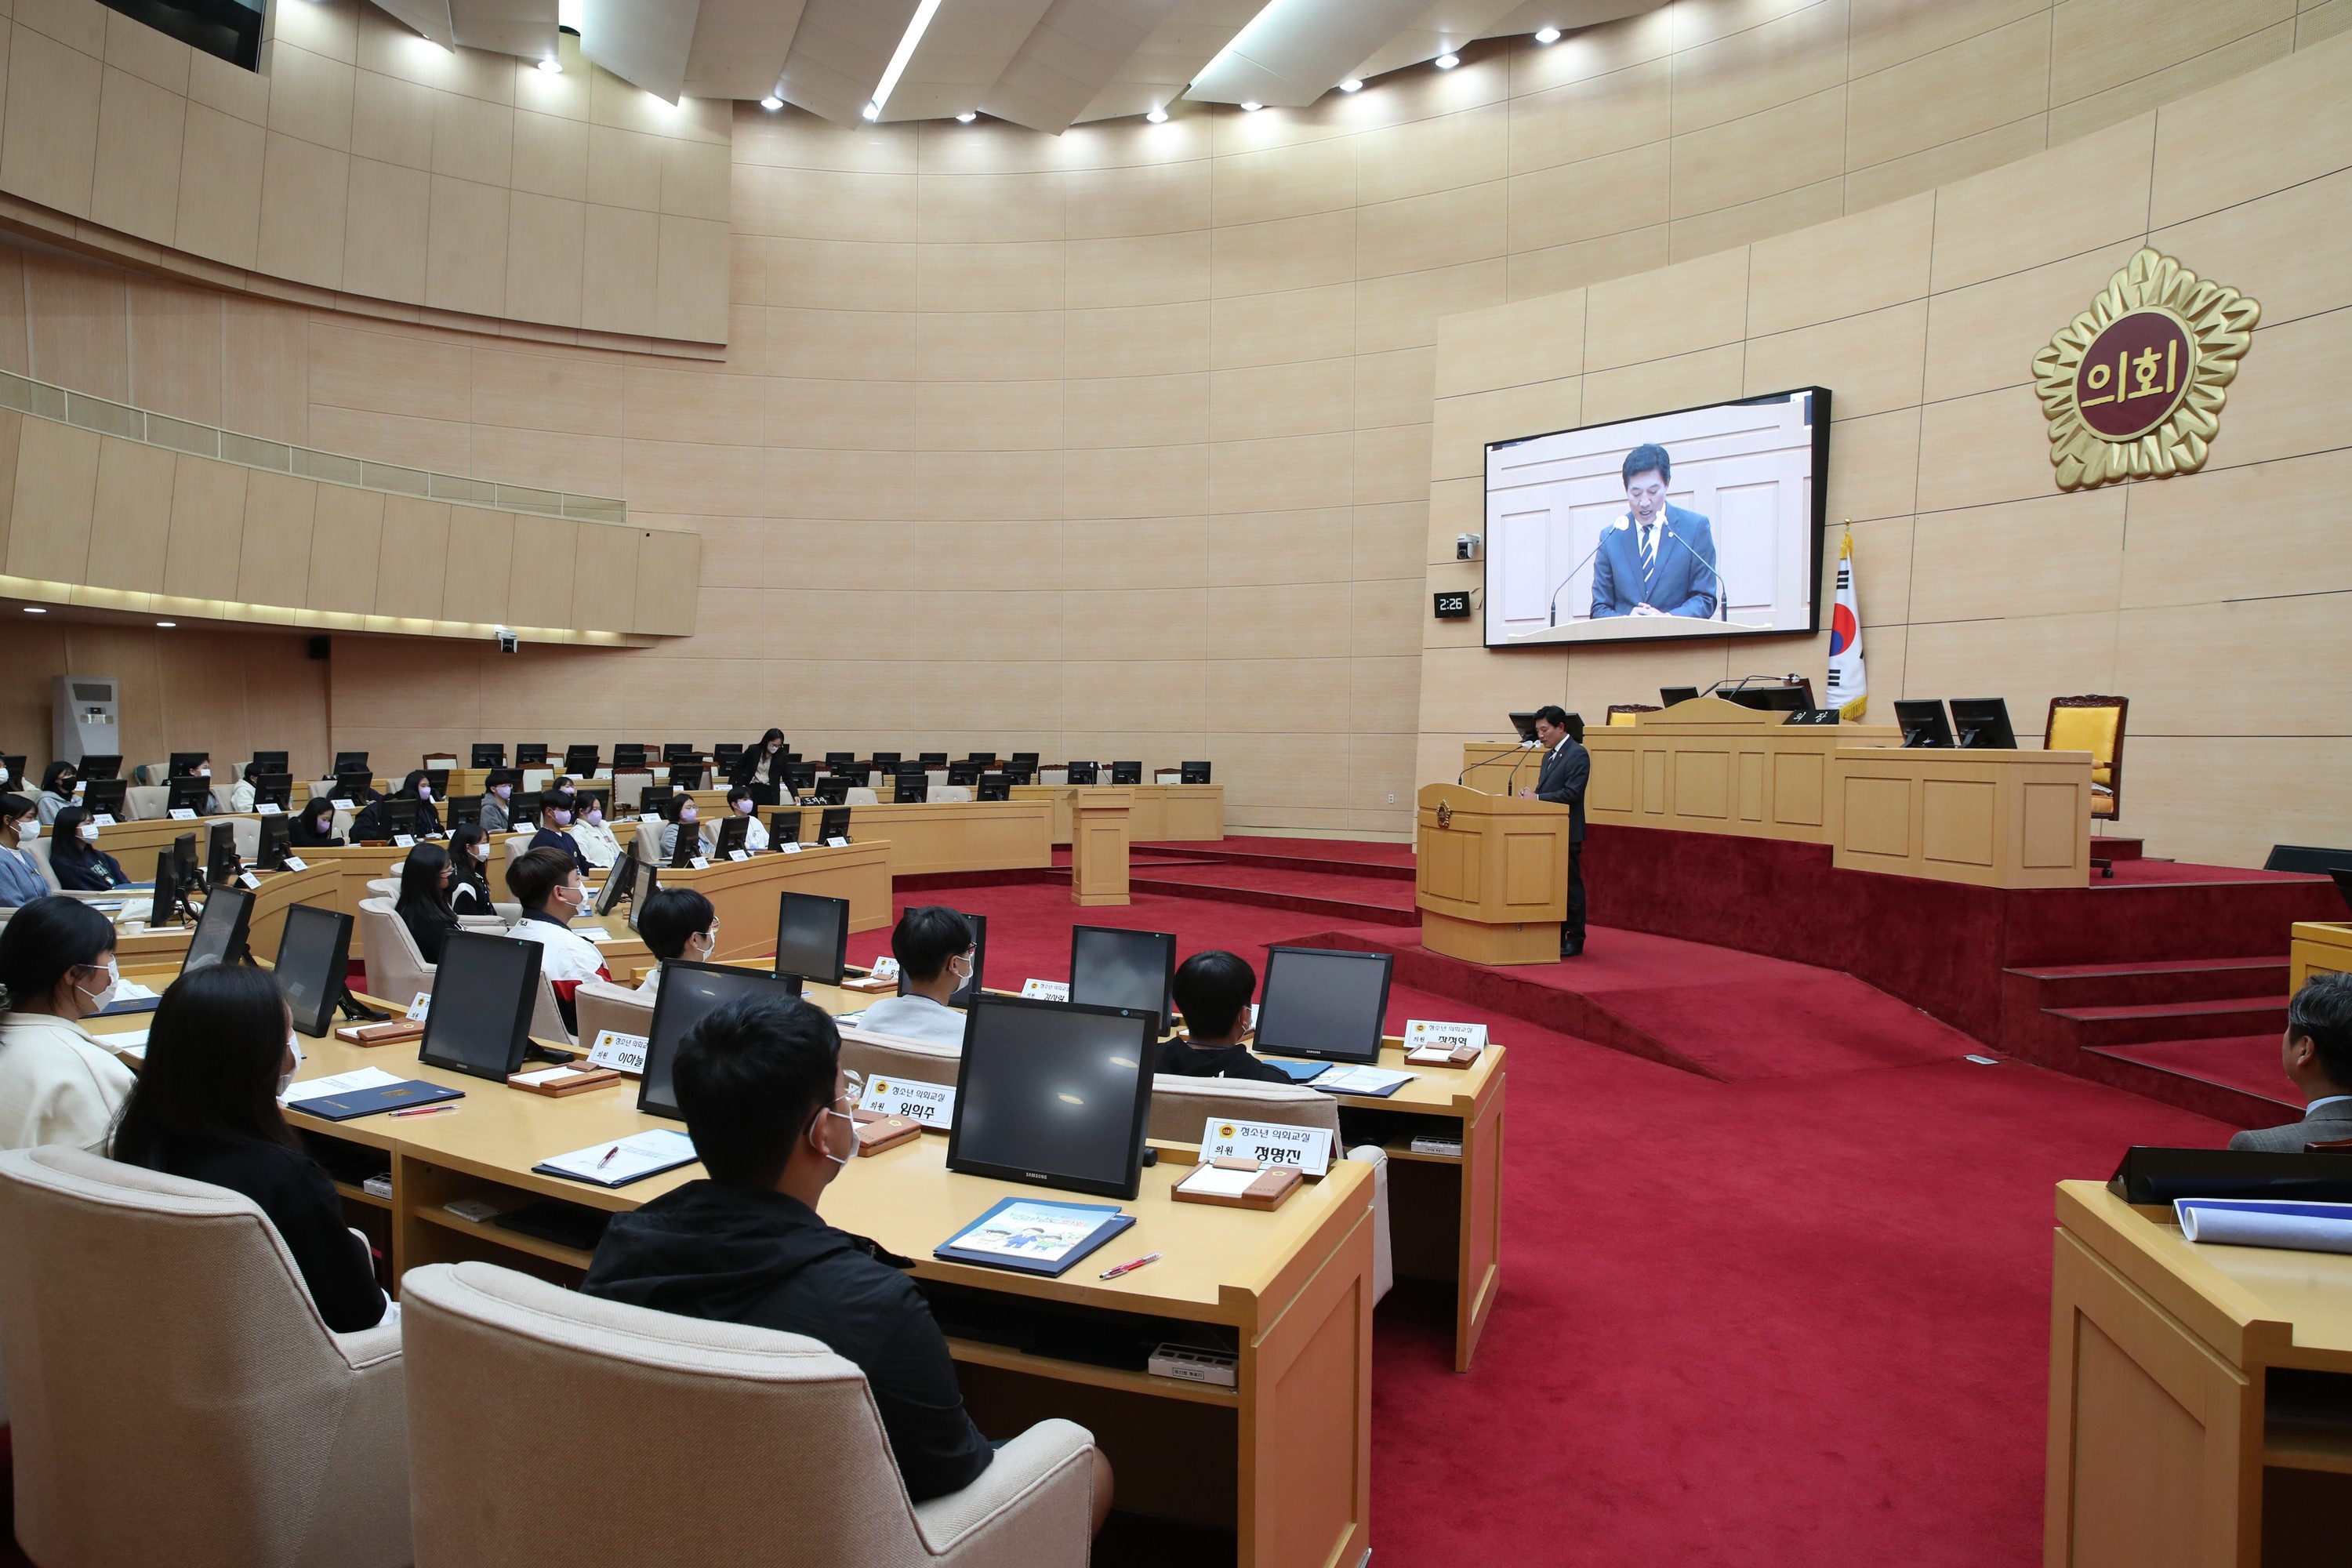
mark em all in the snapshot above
pixel 1492 877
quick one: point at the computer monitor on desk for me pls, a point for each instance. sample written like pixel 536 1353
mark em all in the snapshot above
pixel 812 939
pixel 582 762
pixel 679 751
pixel 887 761
pixel 1924 723
pixel 105 795
pixel 783 828
pixel 914 787
pixel 832 824
pixel 654 799
pixel 183 792
pixel 96 765
pixel 220 855
pixel 985 759
pixel 619 880
pixel 1114 967
pixel 531 753
pixel 276 842
pixel 220 930
pixel 1193 773
pixel 400 819
pixel 185 762
pixel 691 993
pixel 686 775
pixel 1083 773
pixel 1772 699
pixel 963 775
pixel 1127 773
pixel 1323 1003
pixel 1670 695
pixel 485 990
pixel 1982 723
pixel 932 758
pixel 274 789
pixel 832 790
pixel 994 787
pixel 351 762
pixel 1054 1093
pixel 489 755
pixel 732 833
pixel 628 756
pixel 312 954
pixel 269 763
pixel 354 786
pixel 1525 724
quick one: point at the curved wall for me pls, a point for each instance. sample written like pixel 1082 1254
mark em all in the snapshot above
pixel 1117 444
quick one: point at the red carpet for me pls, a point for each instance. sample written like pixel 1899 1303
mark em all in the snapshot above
pixel 1784 1322
pixel 2177 873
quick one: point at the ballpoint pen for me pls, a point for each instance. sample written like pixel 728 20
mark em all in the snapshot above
pixel 423 1111
pixel 1129 1266
pixel 608 1156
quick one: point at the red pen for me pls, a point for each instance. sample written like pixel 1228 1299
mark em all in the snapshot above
pixel 422 1110
pixel 1129 1266
pixel 608 1156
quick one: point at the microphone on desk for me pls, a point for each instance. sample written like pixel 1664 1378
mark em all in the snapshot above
pixel 1553 608
pixel 1722 609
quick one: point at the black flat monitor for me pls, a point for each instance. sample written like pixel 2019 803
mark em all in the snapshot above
pixel 1525 724
pixel 887 761
pixel 1771 698
pixel 783 828
pixel 1323 1003
pixel 726 755
pixel 914 789
pixel 679 751
pixel 985 759
pixel 107 795
pixel 484 991
pixel 733 829
pixel 1026 759
pixel 963 775
pixel 835 762
pixel 523 813
pixel 439 779
pixel 932 758
pixel 996 786
pixel 581 760
pixel 2151 1174
pixel 313 953
pixel 400 816
pixel 811 938
pixel 2342 877
pixel 531 753
pixel 185 865
pixel 1018 773
pixel 834 824
pixel 1083 773
pixel 832 790
pixel 219 936
pixel 185 762
pixel 963 992
pixel 1982 723
pixel 220 854
pixel 184 791
pixel 351 762
pixel 860 775
pixel 1922 723
pixel 355 787
pixel 1194 772
pixel 686 775
pixel 97 765
pixel 618 883
pixel 1670 695
pixel 691 993
pixel 489 754
pixel 165 907
pixel 686 845
pixel 1127 773
pixel 597 795
pixel 269 762
pixel 628 756
pixel 277 789
pixel 465 810
pixel 800 777
pixel 1113 967
pixel 653 799
pixel 1054 1093
pixel 276 842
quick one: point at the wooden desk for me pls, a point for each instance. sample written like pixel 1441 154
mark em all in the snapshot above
pixel 1989 818
pixel 745 892
pixel 136 844
pixel 2319 947
pixel 2170 1444
pixel 1161 813
pixel 957 835
pixel 1285 1459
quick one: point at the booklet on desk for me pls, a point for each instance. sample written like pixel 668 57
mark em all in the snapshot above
pixel 1300 1072
pixel 1034 1237
pixel 1373 1083
pixel 351 1104
pixel 617 1161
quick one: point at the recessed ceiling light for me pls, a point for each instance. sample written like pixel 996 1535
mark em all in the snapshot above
pixel 1547 35
pixel 1351 85
pixel 916 26
pixel 1252 107
pixel 1447 62
pixel 552 65
pixel 772 103
pixel 35 610
pixel 1158 116
pixel 966 118
pixel 872 111
pixel 167 625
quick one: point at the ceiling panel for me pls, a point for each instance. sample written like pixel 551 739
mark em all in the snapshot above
pixel 1187 38
pixel 967 47
pixel 641 41
pixel 524 27
pixel 1077 48
pixel 429 17
pixel 1566 14
pixel 839 53
pixel 1443 27
pixel 740 46
pixel 1295 51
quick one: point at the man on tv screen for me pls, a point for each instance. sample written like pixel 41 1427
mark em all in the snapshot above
pixel 1656 559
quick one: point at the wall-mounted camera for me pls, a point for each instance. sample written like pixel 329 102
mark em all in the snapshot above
pixel 1467 545
pixel 508 641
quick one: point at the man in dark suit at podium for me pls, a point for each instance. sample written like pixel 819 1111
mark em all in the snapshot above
pixel 1655 559
pixel 1566 767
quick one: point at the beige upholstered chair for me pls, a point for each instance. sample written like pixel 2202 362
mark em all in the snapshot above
pixel 174 1395
pixel 396 972
pixel 513 848
pixel 385 888
pixel 873 1056
pixel 646 844
pixel 946 794
pixel 145 803
pixel 859 795
pixel 744 1447
pixel 603 1006
pixel 40 852
pixel 547 1018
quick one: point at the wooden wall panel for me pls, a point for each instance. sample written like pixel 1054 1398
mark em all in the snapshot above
pixel 412 558
pixel 539 582
pixel 346 550
pixel 481 564
pixel 605 578
pixel 56 487
pixel 130 522
pixel 274 555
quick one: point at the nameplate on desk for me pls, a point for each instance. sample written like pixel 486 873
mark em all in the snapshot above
pixel 1045 990
pixel 788 848
pixel 404 841
pixel 594 933
pixel 1422 1034
pixel 622 1053
pixel 885 968
pixel 739 853
pixel 182 814
pixel 103 819
pixel 420 1007
pixel 1306 1150
pixel 932 1104
pixel 250 880
pixel 699 863
pixel 293 863
pixel 344 805
pixel 836 843
pixel 268 808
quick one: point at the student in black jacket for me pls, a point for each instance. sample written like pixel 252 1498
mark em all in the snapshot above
pixel 424 905
pixel 81 867
pixel 765 1101
pixel 314 826
pixel 375 823
pixel 219 1052
pixel 556 809
pixel 1213 991
pixel 469 888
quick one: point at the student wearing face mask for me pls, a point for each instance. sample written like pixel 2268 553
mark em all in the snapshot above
pixel 769 1110
pixel 20 875
pixel 375 823
pixel 595 840
pixel 314 826
pixel 242 794
pixel 58 781
pixel 424 905
pixel 81 866
pixel 469 889
pixel 219 1053
pixel 762 762
pixel 744 803
pixel 933 947
pixel 202 769
pixel 57 1083
pixel 498 796
pixel 548 887
pixel 557 808
pixel 676 922
pixel 682 813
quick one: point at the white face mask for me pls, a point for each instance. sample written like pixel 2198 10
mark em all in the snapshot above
pixel 4 776
pixel 28 829
pixel 88 831
pixel 203 773
pixel 576 896
pixel 286 1079
pixel 106 993
pixel 481 851
pixel 708 940
pixel 844 1116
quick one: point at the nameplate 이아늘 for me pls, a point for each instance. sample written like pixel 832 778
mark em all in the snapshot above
pixel 622 1053
pixel 1045 990
pixel 1422 1034
pixel 932 1104
pixel 1306 1150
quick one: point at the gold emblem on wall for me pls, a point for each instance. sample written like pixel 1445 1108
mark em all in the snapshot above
pixel 2134 388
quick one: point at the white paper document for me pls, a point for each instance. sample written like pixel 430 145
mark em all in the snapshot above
pixel 1360 1080
pixel 340 1083
pixel 623 1158
pixel 1216 1182
pixel 2264 1222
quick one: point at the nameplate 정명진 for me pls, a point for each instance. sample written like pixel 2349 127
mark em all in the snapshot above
pixel 1421 1034
pixel 1306 1150
pixel 885 968
pixel 622 1053
pixel 932 1104
pixel 420 1007
pixel 1045 990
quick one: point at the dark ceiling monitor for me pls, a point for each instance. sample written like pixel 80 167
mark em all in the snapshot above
pixel 1194 772
pixel 812 939
pixel 1922 723
pixel 186 793
pixel 1670 695
pixel 1083 773
pixel 1982 723
pixel 691 993
pixel 1127 773
pixel 276 842
pixel 220 854
pixel 489 754
pixel 351 762
pixel 1113 967
pixel 1323 1003
pixel 96 765
pixel 105 795
pixel 219 936
pixel 485 990
pixel 312 954
pixel 1053 1093
pixel 963 992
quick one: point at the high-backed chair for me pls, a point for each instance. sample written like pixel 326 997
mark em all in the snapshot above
pixel 2093 724
pixel 547 1017
pixel 40 851
pixel 646 843
pixel 146 802
pixel 396 970
pixel 715 1414
pixel 946 794
pixel 600 1005
pixel 860 795
pixel 1625 715
pixel 874 1055
pixel 174 1395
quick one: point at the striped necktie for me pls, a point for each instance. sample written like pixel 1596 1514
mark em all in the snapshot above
pixel 1649 548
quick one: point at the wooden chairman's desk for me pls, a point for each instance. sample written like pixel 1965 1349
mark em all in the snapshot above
pixel 2319 947
pixel 2201 1396
pixel 1284 1459
pixel 1157 814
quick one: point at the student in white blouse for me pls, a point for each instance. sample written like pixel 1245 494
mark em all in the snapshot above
pixel 595 838
pixel 740 801
pixel 933 947
pixel 57 1083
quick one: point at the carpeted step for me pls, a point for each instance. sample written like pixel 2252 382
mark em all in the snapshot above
pixel 1276 896
pixel 2117 848
pixel 2153 981
pixel 2236 1077
pixel 2138 1024
pixel 1334 865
